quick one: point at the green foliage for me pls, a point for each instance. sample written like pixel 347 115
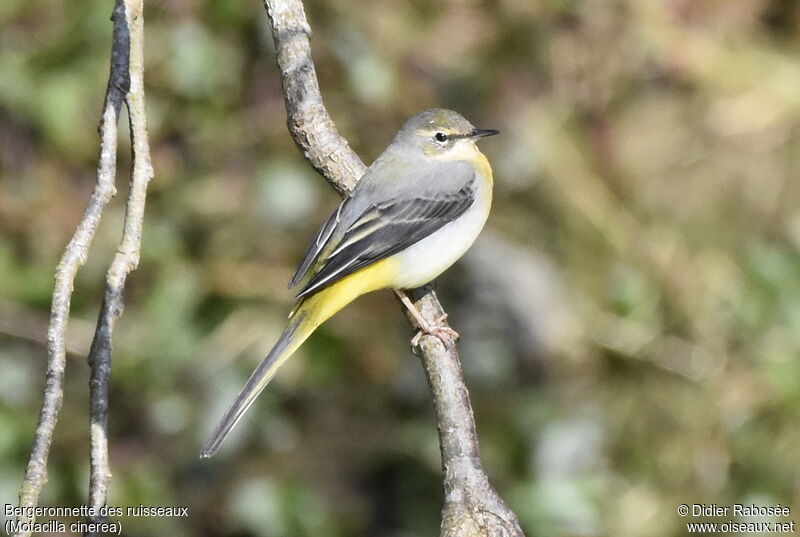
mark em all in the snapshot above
pixel 630 322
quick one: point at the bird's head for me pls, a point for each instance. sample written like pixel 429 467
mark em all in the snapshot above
pixel 441 134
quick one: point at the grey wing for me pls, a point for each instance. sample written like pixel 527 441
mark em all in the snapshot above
pixel 386 228
pixel 318 244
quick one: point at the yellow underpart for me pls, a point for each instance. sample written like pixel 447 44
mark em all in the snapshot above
pixel 319 307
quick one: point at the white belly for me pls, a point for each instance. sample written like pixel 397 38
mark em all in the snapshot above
pixel 425 260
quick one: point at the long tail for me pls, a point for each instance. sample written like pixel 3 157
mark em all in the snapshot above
pixel 309 314
pixel 292 337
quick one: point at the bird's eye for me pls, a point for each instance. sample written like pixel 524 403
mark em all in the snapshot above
pixel 440 137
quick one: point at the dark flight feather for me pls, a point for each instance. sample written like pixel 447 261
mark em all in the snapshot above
pixel 317 244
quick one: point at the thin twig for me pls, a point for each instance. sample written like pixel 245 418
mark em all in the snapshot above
pixel 472 507
pixel 125 261
pixel 74 256
pixel 126 19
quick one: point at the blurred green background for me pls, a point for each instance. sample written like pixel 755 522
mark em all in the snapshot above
pixel 630 317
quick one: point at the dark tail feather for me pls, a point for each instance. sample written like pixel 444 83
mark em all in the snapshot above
pixel 290 340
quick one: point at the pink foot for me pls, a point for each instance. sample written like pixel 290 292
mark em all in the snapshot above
pixel 447 335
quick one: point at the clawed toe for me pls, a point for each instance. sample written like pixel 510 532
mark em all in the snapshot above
pixel 447 335
pixel 416 338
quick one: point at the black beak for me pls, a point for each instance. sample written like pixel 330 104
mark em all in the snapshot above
pixel 481 133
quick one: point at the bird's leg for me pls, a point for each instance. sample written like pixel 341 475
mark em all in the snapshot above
pixel 447 335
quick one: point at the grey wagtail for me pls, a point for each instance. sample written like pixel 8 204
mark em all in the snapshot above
pixel 414 212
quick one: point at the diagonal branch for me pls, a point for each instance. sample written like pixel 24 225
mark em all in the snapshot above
pixel 472 508
pixel 124 84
